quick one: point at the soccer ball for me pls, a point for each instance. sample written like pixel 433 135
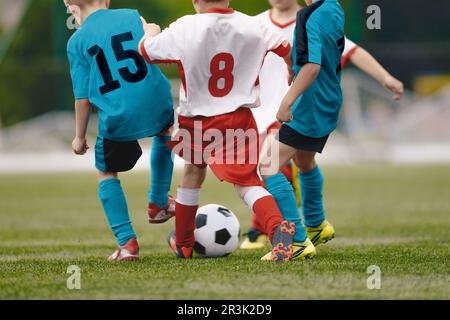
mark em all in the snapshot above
pixel 217 231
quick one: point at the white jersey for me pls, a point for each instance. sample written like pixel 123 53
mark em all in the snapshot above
pixel 220 55
pixel 274 75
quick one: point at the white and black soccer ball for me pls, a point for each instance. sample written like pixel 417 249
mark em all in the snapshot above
pixel 217 231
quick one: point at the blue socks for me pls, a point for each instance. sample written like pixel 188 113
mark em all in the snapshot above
pixel 113 198
pixel 284 195
pixel 161 164
pixel 116 209
pixel 311 185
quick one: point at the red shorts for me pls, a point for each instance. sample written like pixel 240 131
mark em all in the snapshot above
pixel 227 143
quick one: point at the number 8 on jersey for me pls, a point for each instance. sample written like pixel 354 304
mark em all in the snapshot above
pixel 222 78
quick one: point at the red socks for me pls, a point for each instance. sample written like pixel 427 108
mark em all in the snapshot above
pixel 185 211
pixel 268 214
pixel 257 225
pixel 185 225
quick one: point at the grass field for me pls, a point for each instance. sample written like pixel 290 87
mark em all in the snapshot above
pixel 397 218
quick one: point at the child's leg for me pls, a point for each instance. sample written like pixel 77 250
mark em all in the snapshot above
pixel 115 206
pixel 282 190
pixel 264 207
pixel 267 140
pixel 257 224
pixel 311 183
pixel 161 164
pixel 188 199
pixel 284 195
pixel 286 171
pixel 281 233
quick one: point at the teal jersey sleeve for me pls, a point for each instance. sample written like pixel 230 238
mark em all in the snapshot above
pixel 79 70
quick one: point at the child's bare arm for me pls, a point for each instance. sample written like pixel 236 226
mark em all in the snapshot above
pixel 368 64
pixel 150 30
pixel 82 112
pixel 304 80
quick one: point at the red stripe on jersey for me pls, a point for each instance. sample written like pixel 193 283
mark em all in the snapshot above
pixel 279 25
pixel 283 50
pixel 221 10
pixel 177 62
pixel 349 54
pixel 143 51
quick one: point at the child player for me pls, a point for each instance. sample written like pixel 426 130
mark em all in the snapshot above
pixel 133 100
pixel 221 52
pixel 309 113
pixel 281 18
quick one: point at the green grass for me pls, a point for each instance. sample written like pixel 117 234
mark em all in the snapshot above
pixel 397 218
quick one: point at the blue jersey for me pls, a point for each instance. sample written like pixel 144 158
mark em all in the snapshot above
pixel 319 38
pixel 133 98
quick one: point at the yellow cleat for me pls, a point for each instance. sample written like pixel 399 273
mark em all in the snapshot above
pixel 267 257
pixel 301 251
pixel 254 240
pixel 321 234
pixel 304 250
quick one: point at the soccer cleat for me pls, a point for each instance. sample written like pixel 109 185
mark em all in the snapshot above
pixel 181 253
pixel 321 234
pixel 282 241
pixel 254 240
pixel 304 250
pixel 128 252
pixel 158 215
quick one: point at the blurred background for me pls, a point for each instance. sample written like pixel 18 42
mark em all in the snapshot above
pixel 36 102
